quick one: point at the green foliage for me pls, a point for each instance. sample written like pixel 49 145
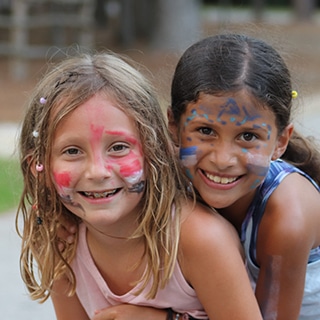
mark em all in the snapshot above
pixel 10 184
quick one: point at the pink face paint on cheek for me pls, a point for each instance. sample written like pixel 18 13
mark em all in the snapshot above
pixel 62 181
pixel 131 172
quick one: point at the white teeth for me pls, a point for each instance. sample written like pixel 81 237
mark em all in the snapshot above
pixel 221 180
pixel 99 195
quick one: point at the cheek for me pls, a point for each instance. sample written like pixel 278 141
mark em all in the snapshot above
pixel 257 165
pixel 131 172
pixel 130 168
pixel 188 156
pixel 62 179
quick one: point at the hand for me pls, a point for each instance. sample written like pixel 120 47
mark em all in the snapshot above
pixel 130 312
pixel 66 231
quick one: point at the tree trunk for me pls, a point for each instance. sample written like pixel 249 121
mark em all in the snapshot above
pixel 304 9
pixel 178 24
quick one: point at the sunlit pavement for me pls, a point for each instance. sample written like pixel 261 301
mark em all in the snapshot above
pixel 14 300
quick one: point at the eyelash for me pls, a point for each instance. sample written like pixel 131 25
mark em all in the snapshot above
pixel 68 151
pixel 210 132
pixel 203 129
pixel 119 147
pixel 252 136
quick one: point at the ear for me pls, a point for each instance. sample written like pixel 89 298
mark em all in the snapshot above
pixel 173 127
pixel 283 140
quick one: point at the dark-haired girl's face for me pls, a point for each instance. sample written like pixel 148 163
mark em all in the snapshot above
pixel 226 145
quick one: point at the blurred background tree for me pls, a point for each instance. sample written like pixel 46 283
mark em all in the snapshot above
pixel 31 29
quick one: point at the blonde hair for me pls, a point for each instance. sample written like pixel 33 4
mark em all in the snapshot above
pixel 67 86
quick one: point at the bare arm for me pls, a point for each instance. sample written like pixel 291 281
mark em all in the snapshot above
pixel 212 263
pixel 129 312
pixel 287 232
pixel 65 307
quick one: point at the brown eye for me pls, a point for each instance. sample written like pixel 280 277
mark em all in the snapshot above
pixel 248 136
pixel 206 131
pixel 72 151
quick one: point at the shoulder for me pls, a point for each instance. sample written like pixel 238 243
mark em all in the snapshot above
pixel 203 228
pixel 291 214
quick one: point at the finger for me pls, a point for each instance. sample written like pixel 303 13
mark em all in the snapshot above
pixel 102 315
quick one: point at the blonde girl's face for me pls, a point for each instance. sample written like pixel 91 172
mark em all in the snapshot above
pixel 98 165
pixel 226 145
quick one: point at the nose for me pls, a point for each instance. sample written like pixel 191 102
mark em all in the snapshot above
pixel 223 155
pixel 97 168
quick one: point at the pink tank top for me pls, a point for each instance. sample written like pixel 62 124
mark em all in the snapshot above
pixel 94 293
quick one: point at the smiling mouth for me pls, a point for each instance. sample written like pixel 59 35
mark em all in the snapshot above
pixel 220 180
pixel 100 195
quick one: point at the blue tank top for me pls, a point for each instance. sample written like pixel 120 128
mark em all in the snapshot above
pixel 278 170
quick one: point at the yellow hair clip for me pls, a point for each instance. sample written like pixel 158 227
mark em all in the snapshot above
pixel 294 94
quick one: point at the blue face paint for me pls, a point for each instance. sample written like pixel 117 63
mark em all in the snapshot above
pixel 255 184
pixel 184 152
pixel 188 156
pixel 231 108
pixel 188 174
pixel 258 170
pixel 195 114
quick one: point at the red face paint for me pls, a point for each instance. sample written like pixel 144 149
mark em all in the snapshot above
pixel 129 169
pixel 96 133
pixel 128 138
pixel 62 179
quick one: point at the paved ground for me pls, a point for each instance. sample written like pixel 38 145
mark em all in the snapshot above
pixel 14 301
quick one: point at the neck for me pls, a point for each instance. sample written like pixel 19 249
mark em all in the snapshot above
pixel 237 212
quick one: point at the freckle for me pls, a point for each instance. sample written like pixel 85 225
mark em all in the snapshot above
pixel 189 139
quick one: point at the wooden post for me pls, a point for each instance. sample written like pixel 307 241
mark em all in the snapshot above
pixel 19 39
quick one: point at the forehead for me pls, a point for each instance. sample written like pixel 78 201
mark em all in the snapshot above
pixel 99 111
pixel 238 104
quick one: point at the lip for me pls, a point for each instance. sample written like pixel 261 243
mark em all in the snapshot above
pixel 218 181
